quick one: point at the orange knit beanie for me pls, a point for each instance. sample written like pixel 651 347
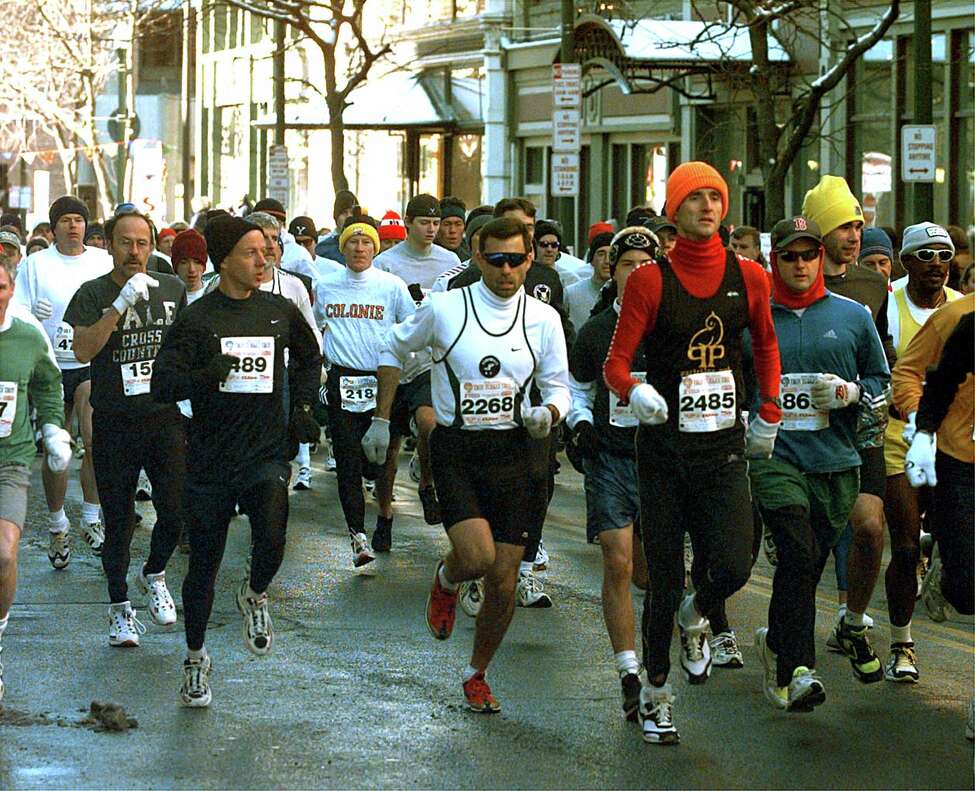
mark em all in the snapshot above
pixel 692 176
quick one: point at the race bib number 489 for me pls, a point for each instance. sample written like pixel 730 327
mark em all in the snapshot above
pixel 8 407
pixel 706 401
pixel 254 371
pixel 487 402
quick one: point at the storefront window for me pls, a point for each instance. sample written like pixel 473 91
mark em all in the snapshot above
pixel 874 133
pixel 465 169
pixel 965 126
pixel 431 164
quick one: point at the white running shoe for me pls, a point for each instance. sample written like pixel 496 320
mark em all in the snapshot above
pixel 902 664
pixel 806 691
pixel 776 695
pixel 330 460
pixel 195 690
pixel 656 715
pixel 832 644
pixel 530 591
pixel 725 651
pixel 94 535
pixel 123 627
pixel 541 557
pixel 58 550
pixel 143 492
pixel 258 632
pixel 362 553
pixel 303 480
pixel 471 597
pixel 162 608
pixel 695 654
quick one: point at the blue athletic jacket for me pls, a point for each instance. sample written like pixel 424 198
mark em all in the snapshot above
pixel 834 335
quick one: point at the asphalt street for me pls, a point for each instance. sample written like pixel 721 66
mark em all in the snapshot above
pixel 357 694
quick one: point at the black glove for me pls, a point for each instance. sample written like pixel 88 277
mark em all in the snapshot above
pixel 304 427
pixel 586 439
pixel 219 368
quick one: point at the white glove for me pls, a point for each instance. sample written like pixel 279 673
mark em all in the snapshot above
pixel 832 392
pixel 135 289
pixel 538 421
pixel 910 428
pixel 57 444
pixel 760 438
pixel 42 309
pixel 375 443
pixel 919 464
pixel 648 405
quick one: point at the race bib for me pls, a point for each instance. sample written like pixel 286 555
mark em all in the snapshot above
pixel 8 407
pixel 622 416
pixel 706 401
pixel 64 342
pixel 487 402
pixel 136 377
pixel 798 412
pixel 358 393
pixel 254 371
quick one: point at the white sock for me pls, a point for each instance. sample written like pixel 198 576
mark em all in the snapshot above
pixel 304 455
pixel 525 566
pixel 445 583
pixel 898 634
pixel 626 662
pixel 469 672
pixel 196 656
pixel 57 519
pixel 853 618
pixel 89 513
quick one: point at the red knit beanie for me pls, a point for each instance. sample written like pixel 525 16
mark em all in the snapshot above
pixel 189 244
pixel 391 227
pixel 598 228
pixel 692 176
pixel 165 233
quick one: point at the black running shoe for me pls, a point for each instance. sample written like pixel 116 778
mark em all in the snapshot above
pixel 382 538
pixel 630 685
pixel 431 505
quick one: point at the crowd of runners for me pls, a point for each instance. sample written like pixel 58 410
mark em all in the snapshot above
pixel 816 399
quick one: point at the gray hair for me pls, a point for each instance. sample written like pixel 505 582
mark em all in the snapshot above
pixel 10 267
pixel 264 220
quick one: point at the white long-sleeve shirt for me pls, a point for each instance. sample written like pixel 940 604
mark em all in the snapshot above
pixel 47 274
pixel 355 311
pixel 486 350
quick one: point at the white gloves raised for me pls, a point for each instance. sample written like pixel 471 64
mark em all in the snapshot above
pixel 136 289
pixel 910 428
pixel 42 309
pixel 760 438
pixel 57 444
pixel 375 443
pixel 833 392
pixel 919 464
pixel 648 405
pixel 538 421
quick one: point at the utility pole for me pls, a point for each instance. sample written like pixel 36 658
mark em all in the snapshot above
pixel 923 111
pixel 279 82
pixel 122 126
pixel 186 105
pixel 567 205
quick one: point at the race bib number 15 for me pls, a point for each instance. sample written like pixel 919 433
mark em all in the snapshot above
pixel 254 371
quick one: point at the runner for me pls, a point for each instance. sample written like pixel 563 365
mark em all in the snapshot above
pixel 605 433
pixel 164 245
pixel 29 376
pixel 190 262
pixel 807 489
pixel 450 234
pixel 837 213
pixel 488 459
pixel 46 281
pixel 580 297
pixel 355 307
pixel 552 254
pixel 226 354
pixel 392 231
pixel 10 250
pixel 119 321
pixel 692 310
pixel 345 205
pixel 926 253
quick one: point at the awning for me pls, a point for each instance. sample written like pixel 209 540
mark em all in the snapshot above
pixel 397 100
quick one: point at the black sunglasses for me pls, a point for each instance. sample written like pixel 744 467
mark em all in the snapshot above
pixel 927 254
pixel 514 260
pixel 789 256
pixel 549 245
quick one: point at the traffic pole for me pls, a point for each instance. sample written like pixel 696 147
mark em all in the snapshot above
pixel 566 206
pixel 923 111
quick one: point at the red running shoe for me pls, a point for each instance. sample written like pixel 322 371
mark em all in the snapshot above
pixel 441 608
pixel 478 694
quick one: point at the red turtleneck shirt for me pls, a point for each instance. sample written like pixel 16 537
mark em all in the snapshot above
pixel 700 268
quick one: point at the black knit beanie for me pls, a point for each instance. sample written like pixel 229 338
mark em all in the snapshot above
pixel 67 204
pixel 599 240
pixel 222 232
pixel 633 238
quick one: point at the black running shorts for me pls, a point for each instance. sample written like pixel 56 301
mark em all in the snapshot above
pixel 873 472
pixel 71 378
pixel 409 398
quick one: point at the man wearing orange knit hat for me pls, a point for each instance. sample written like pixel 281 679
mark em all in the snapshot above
pixel 690 310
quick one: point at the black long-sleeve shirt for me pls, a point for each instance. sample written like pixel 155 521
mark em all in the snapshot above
pixel 942 383
pixel 243 421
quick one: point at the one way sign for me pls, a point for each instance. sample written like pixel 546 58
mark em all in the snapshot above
pixel 918 152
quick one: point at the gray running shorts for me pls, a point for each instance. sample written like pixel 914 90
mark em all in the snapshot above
pixel 14 483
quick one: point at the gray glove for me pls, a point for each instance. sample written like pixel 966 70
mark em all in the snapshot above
pixel 375 443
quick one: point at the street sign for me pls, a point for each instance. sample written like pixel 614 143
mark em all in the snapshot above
pixel 918 152
pixel 566 84
pixel 565 130
pixel 278 181
pixel 565 175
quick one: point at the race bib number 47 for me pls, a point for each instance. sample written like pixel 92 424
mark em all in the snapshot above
pixel 706 401
pixel 254 371
pixel 64 342
pixel 487 402
pixel 8 407
pixel 798 412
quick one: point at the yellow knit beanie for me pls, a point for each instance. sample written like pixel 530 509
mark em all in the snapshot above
pixel 830 204
pixel 363 228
